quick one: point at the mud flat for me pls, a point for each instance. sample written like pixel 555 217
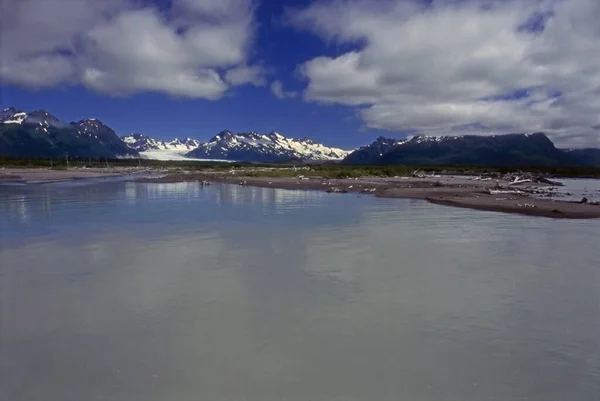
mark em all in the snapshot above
pixel 41 176
pixel 492 195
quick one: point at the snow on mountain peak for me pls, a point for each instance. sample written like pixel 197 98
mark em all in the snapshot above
pixel 15 118
pixel 429 139
pixel 272 146
pixel 92 127
pixel 246 146
pixel 159 149
pixel 90 122
pixel 40 118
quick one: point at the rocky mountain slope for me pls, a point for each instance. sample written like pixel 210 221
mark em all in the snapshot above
pixel 271 147
pixel 95 130
pixel 151 148
pixel 40 134
pixel 370 153
pixel 583 157
pixel 499 150
pixel 143 143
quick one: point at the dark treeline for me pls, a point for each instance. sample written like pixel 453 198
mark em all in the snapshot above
pixel 326 169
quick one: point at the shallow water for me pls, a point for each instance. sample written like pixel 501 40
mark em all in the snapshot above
pixel 574 189
pixel 125 291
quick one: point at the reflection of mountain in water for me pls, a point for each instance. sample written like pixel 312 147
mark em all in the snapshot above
pixel 137 191
pixel 17 206
pixel 21 206
pixel 277 200
pixel 239 299
pixel 24 205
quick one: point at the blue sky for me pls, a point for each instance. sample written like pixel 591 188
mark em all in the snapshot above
pixel 339 71
pixel 279 47
pixel 162 116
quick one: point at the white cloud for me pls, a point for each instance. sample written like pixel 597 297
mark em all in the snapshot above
pixel 197 49
pixel 454 65
pixel 246 75
pixel 278 92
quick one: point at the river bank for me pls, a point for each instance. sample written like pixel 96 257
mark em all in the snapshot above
pixel 45 176
pixel 492 195
pixel 500 195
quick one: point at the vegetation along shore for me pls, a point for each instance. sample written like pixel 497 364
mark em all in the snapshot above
pixel 527 191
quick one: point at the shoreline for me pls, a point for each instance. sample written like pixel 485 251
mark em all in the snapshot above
pixel 444 190
pixel 32 176
pixel 492 195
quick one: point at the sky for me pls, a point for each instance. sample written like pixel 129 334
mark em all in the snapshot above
pixel 339 71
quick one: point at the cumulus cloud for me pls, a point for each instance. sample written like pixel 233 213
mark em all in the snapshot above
pixel 278 92
pixel 196 49
pixel 471 66
pixel 246 75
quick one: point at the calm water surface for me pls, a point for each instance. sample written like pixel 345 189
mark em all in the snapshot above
pixel 577 188
pixel 124 291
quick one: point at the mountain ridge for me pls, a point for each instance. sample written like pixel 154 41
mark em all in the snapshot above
pixel 142 143
pixel 42 135
pixel 529 149
pixel 266 147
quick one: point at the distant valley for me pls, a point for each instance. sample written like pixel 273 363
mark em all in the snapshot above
pixel 150 148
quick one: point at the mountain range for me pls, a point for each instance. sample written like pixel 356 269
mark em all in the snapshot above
pixel 516 150
pixel 271 147
pixel 39 134
pixel 151 148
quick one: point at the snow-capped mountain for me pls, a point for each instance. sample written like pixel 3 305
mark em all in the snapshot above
pixel 151 148
pixel 40 134
pixel 94 129
pixel 142 143
pixel 427 139
pixel 369 153
pixel 271 147
pixel 534 149
pixel 40 120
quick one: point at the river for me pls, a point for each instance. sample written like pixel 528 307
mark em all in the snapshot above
pixel 135 291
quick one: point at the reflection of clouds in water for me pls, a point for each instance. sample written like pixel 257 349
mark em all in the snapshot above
pixel 231 294
pixel 356 296
pixel 205 300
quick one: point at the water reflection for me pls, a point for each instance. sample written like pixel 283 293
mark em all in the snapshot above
pixel 226 292
pixel 23 208
pixel 136 191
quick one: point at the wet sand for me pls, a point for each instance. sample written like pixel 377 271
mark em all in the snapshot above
pixel 41 176
pixel 445 190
